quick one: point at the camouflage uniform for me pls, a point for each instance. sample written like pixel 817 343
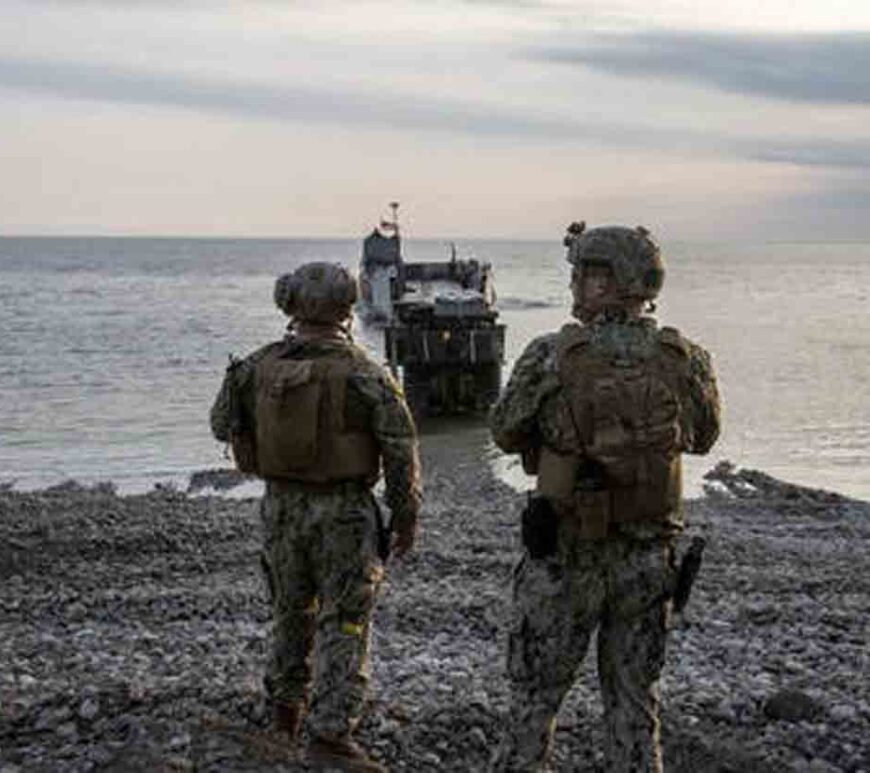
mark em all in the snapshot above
pixel 320 556
pixel 618 585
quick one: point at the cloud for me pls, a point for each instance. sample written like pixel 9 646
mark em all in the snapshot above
pixel 831 210
pixel 301 105
pixel 819 68
pixel 119 84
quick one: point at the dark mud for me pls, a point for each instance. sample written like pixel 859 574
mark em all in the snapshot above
pixel 133 631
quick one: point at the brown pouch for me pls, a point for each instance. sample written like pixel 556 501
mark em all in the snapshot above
pixel 557 474
pixel 288 403
pixel 244 448
pixel 592 511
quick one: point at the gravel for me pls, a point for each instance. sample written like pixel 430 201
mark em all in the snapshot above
pixel 133 631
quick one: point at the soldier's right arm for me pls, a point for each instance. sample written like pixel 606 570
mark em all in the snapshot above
pixel 219 416
pixel 239 376
pixel 514 417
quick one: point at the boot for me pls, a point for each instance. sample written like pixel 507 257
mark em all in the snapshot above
pixel 341 754
pixel 287 718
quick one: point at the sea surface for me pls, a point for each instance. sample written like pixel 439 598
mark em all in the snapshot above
pixel 112 349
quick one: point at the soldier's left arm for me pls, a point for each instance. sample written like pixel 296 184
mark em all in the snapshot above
pixel 396 434
pixel 705 406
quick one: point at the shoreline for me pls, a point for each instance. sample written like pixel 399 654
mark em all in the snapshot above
pixel 135 627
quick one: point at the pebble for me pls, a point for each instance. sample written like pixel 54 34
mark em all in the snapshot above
pixel 791 705
pixel 179 742
pixel 67 730
pixel 842 712
pixel 171 659
pixel 821 766
pixel 89 709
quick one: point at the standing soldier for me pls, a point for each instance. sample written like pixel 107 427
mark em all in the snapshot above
pixel 601 412
pixel 316 418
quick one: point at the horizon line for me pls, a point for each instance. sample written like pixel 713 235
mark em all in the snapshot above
pixel 445 239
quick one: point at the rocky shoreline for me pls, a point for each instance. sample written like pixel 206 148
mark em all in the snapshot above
pixel 133 631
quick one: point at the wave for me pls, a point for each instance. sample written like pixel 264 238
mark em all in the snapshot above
pixel 521 304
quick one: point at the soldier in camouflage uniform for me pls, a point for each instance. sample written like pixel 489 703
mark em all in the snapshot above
pixel 318 419
pixel 601 412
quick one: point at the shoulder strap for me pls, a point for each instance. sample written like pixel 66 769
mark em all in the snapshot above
pixel 572 338
pixel 671 337
pixel 335 370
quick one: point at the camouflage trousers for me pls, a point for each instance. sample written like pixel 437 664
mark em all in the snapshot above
pixel 321 565
pixel 618 586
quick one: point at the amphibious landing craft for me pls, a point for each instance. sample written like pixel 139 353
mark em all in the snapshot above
pixel 439 320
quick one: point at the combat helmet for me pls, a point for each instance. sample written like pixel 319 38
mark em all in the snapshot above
pixel 317 292
pixel 630 253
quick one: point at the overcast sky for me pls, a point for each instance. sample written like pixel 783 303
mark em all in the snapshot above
pixel 726 119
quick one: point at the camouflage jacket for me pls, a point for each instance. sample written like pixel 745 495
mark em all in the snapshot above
pixel 528 415
pixel 372 391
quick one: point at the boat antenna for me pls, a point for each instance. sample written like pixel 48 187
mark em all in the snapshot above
pixel 394 207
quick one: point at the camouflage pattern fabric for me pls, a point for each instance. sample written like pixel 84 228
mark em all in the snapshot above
pixel 617 585
pixel 372 392
pixel 532 411
pixel 322 568
pixel 631 254
pixel 320 550
pixel 322 292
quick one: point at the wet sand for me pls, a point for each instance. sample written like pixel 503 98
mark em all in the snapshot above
pixel 134 629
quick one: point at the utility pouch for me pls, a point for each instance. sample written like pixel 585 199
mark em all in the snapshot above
pixel 592 500
pixel 530 459
pixel 288 406
pixel 592 511
pixel 244 447
pixel 540 527
pixel 689 567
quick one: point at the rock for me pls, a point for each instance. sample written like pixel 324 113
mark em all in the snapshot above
pixel 67 730
pixel 179 741
pixel 843 712
pixel 177 624
pixel 821 766
pixel 89 709
pixel 724 711
pixel 792 706
pixel 45 720
pixel 219 479
pixel 181 764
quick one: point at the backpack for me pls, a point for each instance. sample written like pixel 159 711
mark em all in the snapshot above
pixel 628 414
pixel 300 421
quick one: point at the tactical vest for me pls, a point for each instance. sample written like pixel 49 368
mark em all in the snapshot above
pixel 630 418
pixel 301 433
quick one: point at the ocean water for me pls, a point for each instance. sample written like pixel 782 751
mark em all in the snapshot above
pixel 112 349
